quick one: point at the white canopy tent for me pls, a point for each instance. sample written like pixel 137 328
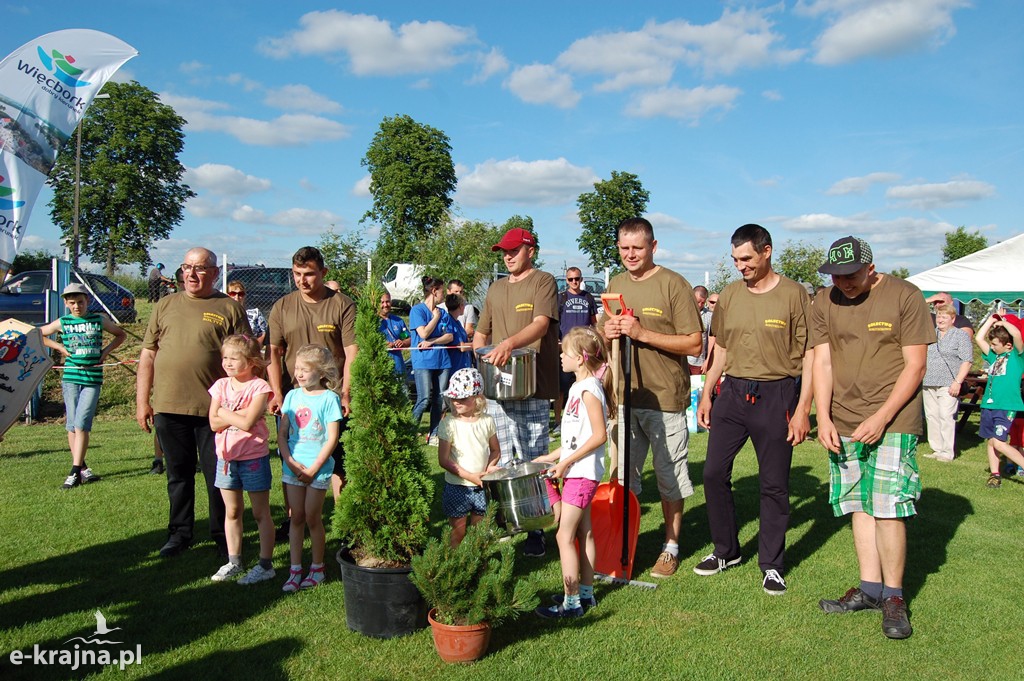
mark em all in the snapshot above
pixel 995 273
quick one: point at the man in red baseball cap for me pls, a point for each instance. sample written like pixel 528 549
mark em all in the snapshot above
pixel 521 311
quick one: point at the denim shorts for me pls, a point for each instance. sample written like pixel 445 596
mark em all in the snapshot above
pixel 251 475
pixel 995 423
pixel 321 481
pixel 458 501
pixel 80 402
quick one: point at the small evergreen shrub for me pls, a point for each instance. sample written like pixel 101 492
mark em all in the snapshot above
pixel 473 582
pixel 384 510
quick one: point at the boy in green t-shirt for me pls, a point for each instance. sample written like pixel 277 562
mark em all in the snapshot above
pixel 81 343
pixel 1001 345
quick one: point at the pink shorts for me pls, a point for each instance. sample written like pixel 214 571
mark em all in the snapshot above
pixel 578 492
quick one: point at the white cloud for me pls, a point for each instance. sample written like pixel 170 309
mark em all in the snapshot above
pixel 772 95
pixel 193 66
pixel 246 83
pixel 422 84
pixel 373 46
pixel 674 102
pixel 928 196
pixel 525 182
pixel 210 207
pixel 543 84
pixel 224 180
pixel 491 64
pixel 299 220
pixel 907 231
pixel 647 57
pixel 297 97
pixel 283 131
pixel 880 28
pixel 362 187
pixel 859 185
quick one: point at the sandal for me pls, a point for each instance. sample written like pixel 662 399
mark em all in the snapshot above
pixel 314 578
pixel 294 582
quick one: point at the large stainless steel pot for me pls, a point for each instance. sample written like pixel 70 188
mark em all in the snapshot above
pixel 522 497
pixel 516 380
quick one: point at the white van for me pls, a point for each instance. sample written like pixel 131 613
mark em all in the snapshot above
pixel 404 282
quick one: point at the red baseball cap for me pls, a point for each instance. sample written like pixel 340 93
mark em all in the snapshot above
pixel 514 238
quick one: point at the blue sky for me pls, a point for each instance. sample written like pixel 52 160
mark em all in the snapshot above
pixel 895 120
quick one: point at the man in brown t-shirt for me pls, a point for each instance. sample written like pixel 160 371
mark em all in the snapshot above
pixel 665 329
pixel 870 334
pixel 760 330
pixel 521 311
pixel 313 314
pixel 179 362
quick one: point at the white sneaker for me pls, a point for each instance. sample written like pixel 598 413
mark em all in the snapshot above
pixel 257 574
pixel 226 572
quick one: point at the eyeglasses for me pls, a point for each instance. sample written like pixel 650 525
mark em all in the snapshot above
pixel 198 269
pixel 574 278
pixel 712 302
pixel 236 294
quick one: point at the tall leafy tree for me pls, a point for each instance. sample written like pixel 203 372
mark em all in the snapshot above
pixel 799 261
pixel 132 192
pixel 601 211
pixel 462 251
pixel 412 177
pixel 960 242
pixel 345 256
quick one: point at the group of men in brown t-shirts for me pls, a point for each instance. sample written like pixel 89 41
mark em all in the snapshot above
pixel 858 348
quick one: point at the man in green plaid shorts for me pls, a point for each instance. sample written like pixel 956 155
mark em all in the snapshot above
pixel 870 334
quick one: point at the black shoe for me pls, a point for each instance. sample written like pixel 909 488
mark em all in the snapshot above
pixel 712 565
pixel 558 612
pixel 852 601
pixel 283 530
pixel 88 476
pixel 534 545
pixel 157 468
pixel 773 584
pixel 174 546
pixel 222 547
pixel 585 603
pixel 895 622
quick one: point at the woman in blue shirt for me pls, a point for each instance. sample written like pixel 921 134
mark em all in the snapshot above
pixel 430 367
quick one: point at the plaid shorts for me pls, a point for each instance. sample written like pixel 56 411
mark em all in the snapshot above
pixel 880 479
pixel 522 427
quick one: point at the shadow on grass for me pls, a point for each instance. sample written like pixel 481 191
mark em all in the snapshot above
pixel 940 515
pixel 159 604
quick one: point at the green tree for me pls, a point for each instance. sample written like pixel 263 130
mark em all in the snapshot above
pixel 345 256
pixel 462 251
pixel 31 260
pixel 131 189
pixel 900 272
pixel 412 178
pixel 723 275
pixel 960 242
pixel 601 211
pixel 799 261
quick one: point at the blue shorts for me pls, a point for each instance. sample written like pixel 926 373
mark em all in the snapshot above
pixel 80 402
pixel 251 475
pixel 458 501
pixel 996 423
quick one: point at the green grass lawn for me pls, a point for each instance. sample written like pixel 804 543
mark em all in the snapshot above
pixel 64 555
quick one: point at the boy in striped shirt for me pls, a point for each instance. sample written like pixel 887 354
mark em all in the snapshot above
pixel 81 343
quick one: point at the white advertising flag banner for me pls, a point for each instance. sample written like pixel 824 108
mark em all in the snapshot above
pixel 46 86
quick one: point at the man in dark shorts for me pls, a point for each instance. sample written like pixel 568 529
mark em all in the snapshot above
pixel 179 362
pixel 314 314
pixel 760 329
pixel 870 333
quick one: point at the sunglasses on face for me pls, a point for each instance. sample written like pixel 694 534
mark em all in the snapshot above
pixel 574 278
pixel 236 294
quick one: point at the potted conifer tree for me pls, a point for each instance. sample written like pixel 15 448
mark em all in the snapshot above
pixel 383 514
pixel 471 588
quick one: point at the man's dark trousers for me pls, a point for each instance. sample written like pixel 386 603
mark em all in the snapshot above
pixel 186 439
pixel 760 411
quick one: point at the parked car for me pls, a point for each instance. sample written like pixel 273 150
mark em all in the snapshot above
pixel 593 284
pixel 404 282
pixel 263 285
pixel 23 296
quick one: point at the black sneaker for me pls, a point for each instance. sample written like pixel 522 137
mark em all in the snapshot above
pixel 157 468
pixel 174 546
pixel 895 622
pixel 712 565
pixel 773 584
pixel 73 480
pixel 558 612
pixel 534 544
pixel 852 601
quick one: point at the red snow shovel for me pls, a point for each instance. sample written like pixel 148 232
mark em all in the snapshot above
pixel 615 511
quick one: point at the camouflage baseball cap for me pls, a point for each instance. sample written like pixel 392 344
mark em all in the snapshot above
pixel 846 256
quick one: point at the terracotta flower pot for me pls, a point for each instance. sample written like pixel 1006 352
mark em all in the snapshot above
pixel 460 644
